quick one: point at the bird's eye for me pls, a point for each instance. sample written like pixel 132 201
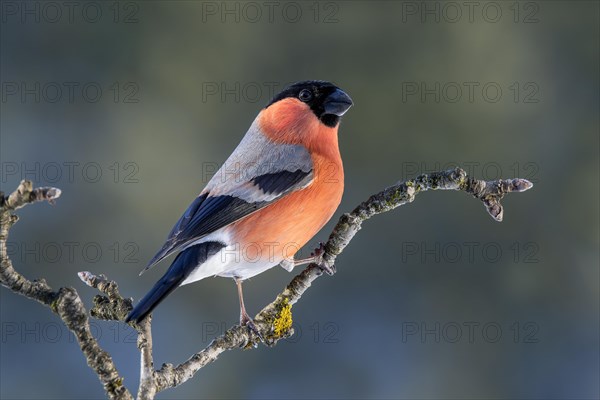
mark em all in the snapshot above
pixel 305 95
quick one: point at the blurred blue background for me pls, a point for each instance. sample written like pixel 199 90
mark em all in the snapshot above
pixel 127 107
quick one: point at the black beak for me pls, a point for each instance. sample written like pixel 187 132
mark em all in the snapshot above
pixel 337 103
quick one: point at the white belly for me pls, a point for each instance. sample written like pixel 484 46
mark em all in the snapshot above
pixel 232 261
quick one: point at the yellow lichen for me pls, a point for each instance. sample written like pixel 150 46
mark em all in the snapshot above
pixel 283 321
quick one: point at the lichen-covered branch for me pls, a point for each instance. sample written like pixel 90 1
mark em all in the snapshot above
pixel 114 307
pixel 25 194
pixel 269 320
pixel 65 302
pixel 274 322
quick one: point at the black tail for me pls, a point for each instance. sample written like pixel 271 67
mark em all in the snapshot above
pixel 186 261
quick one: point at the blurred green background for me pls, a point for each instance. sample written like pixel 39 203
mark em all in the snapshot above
pixel 128 106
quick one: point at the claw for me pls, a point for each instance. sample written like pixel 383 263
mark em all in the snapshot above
pixel 328 268
pixel 246 321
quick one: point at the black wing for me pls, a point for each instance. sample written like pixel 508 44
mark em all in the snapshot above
pixel 207 214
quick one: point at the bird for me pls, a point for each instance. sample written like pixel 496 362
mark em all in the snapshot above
pixel 274 193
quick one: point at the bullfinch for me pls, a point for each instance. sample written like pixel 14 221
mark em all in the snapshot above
pixel 276 190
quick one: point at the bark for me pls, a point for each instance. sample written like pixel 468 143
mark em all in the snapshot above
pixel 274 322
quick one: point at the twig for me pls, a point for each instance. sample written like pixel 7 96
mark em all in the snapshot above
pixel 114 307
pixel 65 302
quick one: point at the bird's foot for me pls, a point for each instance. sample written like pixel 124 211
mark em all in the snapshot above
pixel 325 266
pixel 246 321
pixel 315 257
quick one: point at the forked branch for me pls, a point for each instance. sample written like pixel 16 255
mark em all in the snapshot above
pixel 274 321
